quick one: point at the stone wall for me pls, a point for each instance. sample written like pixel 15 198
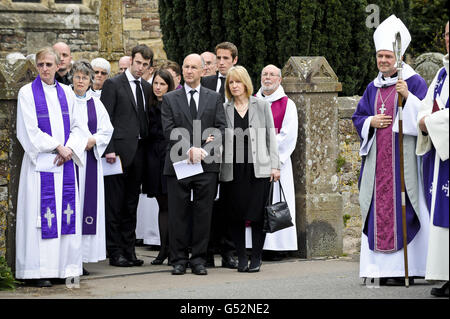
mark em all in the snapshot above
pixel 12 77
pixel 141 26
pixel 348 167
pixel 27 27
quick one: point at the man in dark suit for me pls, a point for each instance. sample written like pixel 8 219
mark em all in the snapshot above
pixel 191 117
pixel 220 239
pixel 126 98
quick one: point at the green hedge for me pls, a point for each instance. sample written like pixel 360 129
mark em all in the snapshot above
pixel 270 31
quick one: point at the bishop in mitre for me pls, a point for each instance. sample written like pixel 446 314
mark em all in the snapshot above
pixel 376 121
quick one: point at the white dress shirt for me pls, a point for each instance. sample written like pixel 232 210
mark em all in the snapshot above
pixel 131 79
pixel 188 89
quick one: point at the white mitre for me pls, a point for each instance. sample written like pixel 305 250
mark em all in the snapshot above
pixel 384 35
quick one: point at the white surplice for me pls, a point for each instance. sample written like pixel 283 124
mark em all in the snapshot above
pixel 36 257
pixel 147 227
pixel 94 246
pixel 285 239
pixel 438 135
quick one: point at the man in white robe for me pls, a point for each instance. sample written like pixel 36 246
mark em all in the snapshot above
pixel 39 259
pixel 433 138
pixel 286 123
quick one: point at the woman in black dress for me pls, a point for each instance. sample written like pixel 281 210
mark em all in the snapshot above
pixel 250 163
pixel 155 184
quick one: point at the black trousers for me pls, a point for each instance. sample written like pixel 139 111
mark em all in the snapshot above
pixel 190 223
pixel 121 201
pixel 163 223
pixel 221 240
pixel 258 238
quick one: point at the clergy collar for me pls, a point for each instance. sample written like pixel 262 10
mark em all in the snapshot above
pixel 48 85
pixel 389 77
pixel 381 81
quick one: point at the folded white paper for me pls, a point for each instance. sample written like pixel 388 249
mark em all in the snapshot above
pixel 112 169
pixel 184 169
pixel 45 163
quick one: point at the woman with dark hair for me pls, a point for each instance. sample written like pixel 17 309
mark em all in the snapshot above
pixel 155 184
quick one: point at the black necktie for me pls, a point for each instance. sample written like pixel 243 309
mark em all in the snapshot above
pixel 140 105
pixel 192 105
pixel 222 88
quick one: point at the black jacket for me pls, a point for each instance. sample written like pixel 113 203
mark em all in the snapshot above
pixel 120 103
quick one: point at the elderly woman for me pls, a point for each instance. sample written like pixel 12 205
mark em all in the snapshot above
pixel 92 112
pixel 102 68
pixel 250 163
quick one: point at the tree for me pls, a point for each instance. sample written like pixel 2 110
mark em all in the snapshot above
pixel 270 31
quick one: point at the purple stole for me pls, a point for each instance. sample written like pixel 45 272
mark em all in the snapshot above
pixel 441 208
pixel 90 190
pixel 278 111
pixel 49 224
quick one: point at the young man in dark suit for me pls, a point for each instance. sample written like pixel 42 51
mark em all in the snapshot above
pixel 191 117
pixel 221 240
pixel 126 98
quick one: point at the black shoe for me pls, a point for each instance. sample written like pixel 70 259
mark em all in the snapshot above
pixel 40 283
pixel 133 259
pixel 85 272
pixel 157 261
pixel 120 261
pixel 229 262
pixel 243 268
pixel 270 255
pixel 440 292
pixel 136 262
pixel 395 281
pixel 178 270
pixel 199 269
pixel 255 266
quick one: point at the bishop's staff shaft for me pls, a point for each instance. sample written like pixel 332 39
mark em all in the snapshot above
pixel 397 50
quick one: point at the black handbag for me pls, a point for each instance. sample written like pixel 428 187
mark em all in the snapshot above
pixel 276 216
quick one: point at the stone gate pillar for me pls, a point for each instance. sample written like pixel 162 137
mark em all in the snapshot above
pixel 312 84
pixel 12 77
pixel 110 32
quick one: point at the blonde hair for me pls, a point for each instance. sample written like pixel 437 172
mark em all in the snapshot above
pixel 238 73
pixel 48 50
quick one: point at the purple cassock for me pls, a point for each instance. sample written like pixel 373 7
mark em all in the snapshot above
pixel 383 223
pixel 441 209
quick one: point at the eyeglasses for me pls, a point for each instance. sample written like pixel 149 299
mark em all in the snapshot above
pixel 40 65
pixel 82 78
pixel 102 72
